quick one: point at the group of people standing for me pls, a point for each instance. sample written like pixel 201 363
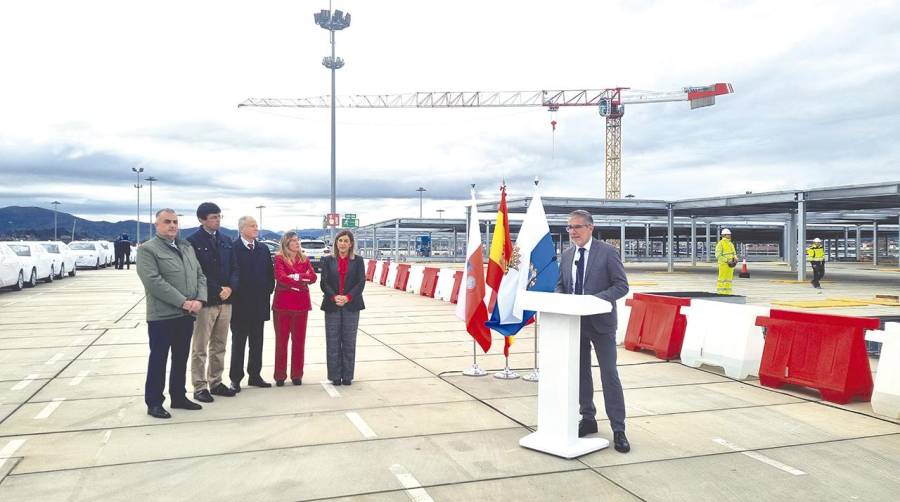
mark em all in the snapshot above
pixel 199 288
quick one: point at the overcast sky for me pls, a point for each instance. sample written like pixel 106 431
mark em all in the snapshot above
pixel 92 88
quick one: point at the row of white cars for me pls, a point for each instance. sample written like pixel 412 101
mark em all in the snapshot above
pixel 24 263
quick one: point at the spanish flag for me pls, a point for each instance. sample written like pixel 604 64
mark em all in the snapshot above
pixel 498 260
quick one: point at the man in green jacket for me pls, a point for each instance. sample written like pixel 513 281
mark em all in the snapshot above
pixel 175 289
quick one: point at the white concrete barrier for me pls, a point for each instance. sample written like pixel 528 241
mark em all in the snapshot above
pixel 414 284
pixel 379 266
pixel 392 275
pixel 886 395
pixel 444 284
pixel 723 334
pixel 623 313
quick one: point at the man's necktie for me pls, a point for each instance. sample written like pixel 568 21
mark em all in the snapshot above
pixel 250 245
pixel 579 273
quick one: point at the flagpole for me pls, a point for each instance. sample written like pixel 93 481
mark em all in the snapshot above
pixel 506 373
pixel 474 370
pixel 535 375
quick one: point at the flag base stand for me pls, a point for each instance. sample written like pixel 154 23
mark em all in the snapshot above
pixel 475 371
pixel 506 373
pixel 534 376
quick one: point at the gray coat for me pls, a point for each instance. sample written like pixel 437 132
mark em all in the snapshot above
pixel 169 278
pixel 604 278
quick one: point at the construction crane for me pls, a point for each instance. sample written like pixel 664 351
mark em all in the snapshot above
pixel 609 102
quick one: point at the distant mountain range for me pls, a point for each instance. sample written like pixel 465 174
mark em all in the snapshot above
pixel 36 223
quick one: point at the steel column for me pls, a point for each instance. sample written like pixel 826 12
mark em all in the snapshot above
pixel 693 241
pixel 670 230
pixel 708 241
pixel 858 242
pixel 875 244
pixel 622 241
pixel 801 236
pixel 846 243
pixel 397 240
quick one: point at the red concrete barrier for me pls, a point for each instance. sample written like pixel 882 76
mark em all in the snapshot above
pixel 370 270
pixel 402 276
pixel 385 268
pixel 821 351
pixel 656 323
pixel 457 282
pixel 429 281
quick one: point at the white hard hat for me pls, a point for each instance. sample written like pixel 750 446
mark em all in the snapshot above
pixel 725 231
pixel 817 240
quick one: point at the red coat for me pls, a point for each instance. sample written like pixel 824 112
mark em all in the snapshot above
pixel 291 294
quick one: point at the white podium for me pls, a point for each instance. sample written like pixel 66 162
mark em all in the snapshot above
pixel 559 345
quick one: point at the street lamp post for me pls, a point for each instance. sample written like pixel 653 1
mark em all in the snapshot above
pixel 55 204
pixel 151 179
pixel 440 213
pixel 138 186
pixel 260 207
pixel 333 21
pixel 420 190
pixel 179 215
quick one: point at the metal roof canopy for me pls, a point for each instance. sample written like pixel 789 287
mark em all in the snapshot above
pixel 851 204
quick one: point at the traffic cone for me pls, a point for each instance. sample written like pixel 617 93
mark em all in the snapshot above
pixel 745 274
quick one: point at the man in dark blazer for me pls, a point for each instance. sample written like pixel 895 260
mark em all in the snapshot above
pixel 592 267
pixel 250 303
pixel 210 337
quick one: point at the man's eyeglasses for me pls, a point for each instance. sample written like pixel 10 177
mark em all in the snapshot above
pixel 575 227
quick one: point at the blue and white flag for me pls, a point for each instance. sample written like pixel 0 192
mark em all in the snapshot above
pixel 533 267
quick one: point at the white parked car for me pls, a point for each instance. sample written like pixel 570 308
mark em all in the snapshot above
pixel 12 273
pixel 63 258
pixel 109 253
pixel 36 261
pixel 315 250
pixel 88 254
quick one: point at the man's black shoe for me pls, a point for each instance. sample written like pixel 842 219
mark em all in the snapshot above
pixel 336 382
pixel 296 381
pixel 586 427
pixel 236 387
pixel 187 404
pixel 347 381
pixel 222 390
pixel 259 382
pixel 279 383
pixel 621 442
pixel 203 396
pixel 157 411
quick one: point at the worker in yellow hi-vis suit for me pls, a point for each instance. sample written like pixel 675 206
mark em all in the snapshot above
pixel 816 256
pixel 726 256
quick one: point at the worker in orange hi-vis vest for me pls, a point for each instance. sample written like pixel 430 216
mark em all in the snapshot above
pixel 726 256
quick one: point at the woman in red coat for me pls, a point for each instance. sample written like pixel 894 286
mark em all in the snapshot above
pixel 290 307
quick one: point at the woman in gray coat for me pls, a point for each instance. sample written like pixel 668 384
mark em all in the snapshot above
pixel 343 281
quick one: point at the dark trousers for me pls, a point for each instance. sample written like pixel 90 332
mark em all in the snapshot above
pixel 245 333
pixel 613 397
pixel 818 268
pixel 122 259
pixel 340 343
pixel 174 335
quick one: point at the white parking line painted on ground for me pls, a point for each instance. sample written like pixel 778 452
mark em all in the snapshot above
pixel 57 357
pixel 50 408
pixel 106 436
pixel 329 388
pixel 77 341
pixel 414 489
pixel 361 425
pixel 7 452
pixel 760 457
pixel 25 382
pixel 77 380
pixel 100 355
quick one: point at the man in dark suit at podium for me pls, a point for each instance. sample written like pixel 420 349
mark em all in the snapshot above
pixel 592 267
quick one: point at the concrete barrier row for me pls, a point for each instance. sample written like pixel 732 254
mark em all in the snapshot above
pixel 439 283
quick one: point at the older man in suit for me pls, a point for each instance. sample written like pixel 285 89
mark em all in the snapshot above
pixel 250 303
pixel 592 267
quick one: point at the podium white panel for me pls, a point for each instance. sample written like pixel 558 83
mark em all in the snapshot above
pixel 723 334
pixel 559 345
pixel 623 312
pixel 886 394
